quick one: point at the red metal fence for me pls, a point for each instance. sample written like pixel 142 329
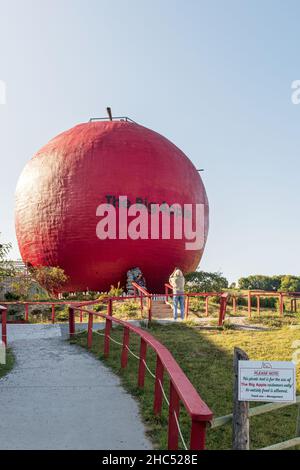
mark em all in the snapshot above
pixel 53 305
pixel 3 314
pixel 222 295
pixel 259 294
pixel 181 389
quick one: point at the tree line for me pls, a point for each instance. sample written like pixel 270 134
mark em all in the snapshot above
pixel 284 283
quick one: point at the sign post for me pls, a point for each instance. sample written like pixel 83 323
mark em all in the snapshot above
pixel 266 381
pixel 240 417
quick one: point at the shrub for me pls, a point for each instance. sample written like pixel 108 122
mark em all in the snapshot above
pixel 115 291
pixel 127 309
pixel 62 314
pixel 196 304
pixel 11 296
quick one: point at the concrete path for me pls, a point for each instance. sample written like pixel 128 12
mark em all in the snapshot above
pixel 58 396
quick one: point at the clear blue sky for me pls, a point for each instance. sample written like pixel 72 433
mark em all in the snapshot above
pixel 212 76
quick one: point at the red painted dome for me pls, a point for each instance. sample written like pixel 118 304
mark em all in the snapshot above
pixel 93 163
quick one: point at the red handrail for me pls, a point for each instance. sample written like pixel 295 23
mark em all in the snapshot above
pixel 181 388
pixel 3 313
pixel 53 304
pixel 144 293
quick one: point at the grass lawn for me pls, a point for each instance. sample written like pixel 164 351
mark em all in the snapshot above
pixel 5 368
pixel 206 358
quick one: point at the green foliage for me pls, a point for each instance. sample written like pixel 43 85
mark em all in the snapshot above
pixel 116 291
pixel 15 313
pixel 23 287
pixel 201 281
pixel 6 267
pixel 127 309
pixel 290 283
pixel 37 315
pixel 62 314
pixel 196 304
pixel 265 302
pixel 11 296
pixel 286 283
pixel 100 307
pixel 206 358
pixel 275 322
pixel 41 295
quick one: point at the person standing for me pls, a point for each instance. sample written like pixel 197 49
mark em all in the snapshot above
pixel 177 282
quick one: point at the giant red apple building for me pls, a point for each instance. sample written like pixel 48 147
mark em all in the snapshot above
pixel 93 163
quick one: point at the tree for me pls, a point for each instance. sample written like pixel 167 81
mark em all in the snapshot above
pixel 201 281
pixel 51 278
pixel 260 282
pixel 290 283
pixel 20 287
pixel 6 267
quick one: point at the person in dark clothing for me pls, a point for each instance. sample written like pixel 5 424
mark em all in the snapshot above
pixel 140 280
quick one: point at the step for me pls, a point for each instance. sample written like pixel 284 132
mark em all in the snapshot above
pixel 161 308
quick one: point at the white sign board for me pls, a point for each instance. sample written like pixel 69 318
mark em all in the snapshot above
pixel 273 381
pixel 2 353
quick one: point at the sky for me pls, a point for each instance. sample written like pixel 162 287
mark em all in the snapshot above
pixel 212 76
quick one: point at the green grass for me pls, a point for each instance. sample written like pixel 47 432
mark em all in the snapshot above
pixel 274 321
pixel 206 358
pixel 10 360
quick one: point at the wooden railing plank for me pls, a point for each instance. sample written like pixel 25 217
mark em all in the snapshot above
pixel 283 445
pixel 255 411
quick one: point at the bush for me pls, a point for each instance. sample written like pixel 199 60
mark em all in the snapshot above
pixel 201 281
pixel 196 304
pixel 127 309
pixel 116 291
pixel 11 296
pixel 100 308
pixel 39 315
pixel 14 314
pixel 62 314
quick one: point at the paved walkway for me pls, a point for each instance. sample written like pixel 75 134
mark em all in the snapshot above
pixel 58 396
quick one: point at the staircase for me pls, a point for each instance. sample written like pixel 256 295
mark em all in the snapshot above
pixel 161 310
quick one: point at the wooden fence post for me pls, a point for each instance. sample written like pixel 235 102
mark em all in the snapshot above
pixel 187 304
pixel 240 419
pixel 206 305
pixel 249 304
pixel 281 305
pixel 234 304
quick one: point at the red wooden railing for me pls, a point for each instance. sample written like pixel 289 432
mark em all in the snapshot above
pixel 3 314
pixel 53 305
pixel 142 293
pixel 258 294
pixel 223 301
pixel 181 389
